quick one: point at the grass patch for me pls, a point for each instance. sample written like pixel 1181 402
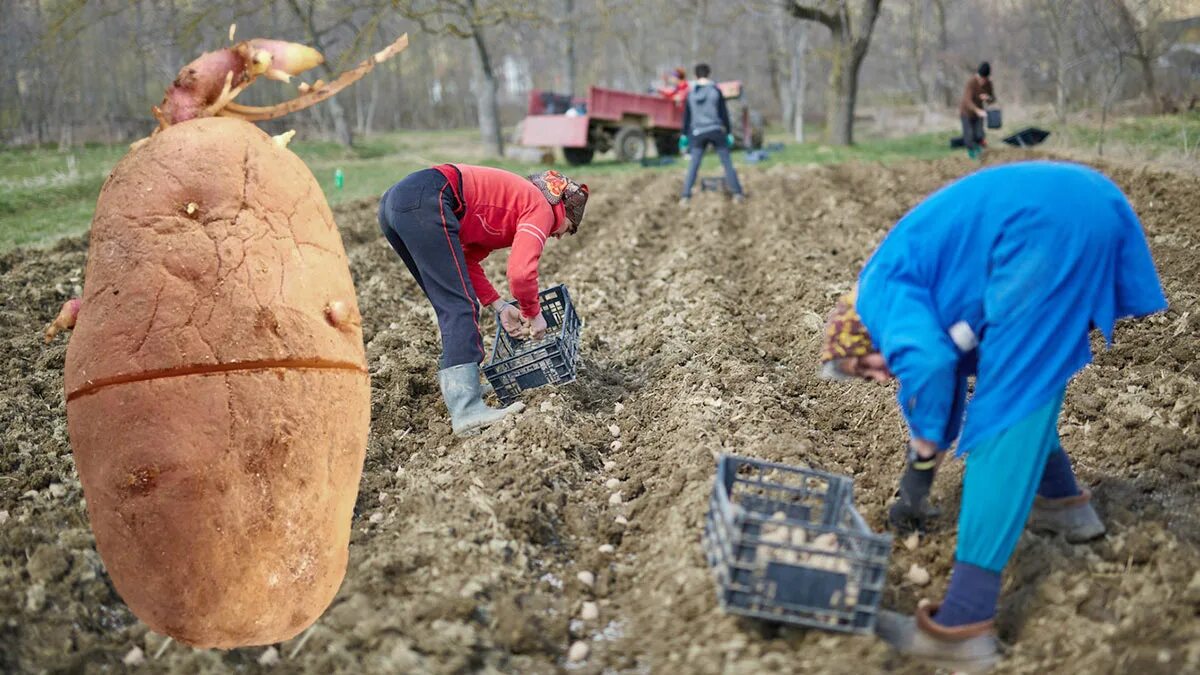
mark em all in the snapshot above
pixel 46 194
pixel 1142 137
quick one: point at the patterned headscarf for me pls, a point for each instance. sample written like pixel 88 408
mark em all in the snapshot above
pixel 558 188
pixel 845 334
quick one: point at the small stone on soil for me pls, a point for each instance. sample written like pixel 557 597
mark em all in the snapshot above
pixel 614 430
pixel 578 651
pixel 590 611
pixel 269 657
pixel 621 520
pixel 586 578
pixel 614 499
pixel 134 657
pixel 615 445
pixel 606 548
pixel 610 465
pixel 612 483
pixel 377 517
pixel 58 490
pixel 918 575
pixel 3 517
pixel 618 407
pixel 911 541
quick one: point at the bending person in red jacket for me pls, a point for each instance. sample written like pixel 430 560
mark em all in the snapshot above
pixel 443 222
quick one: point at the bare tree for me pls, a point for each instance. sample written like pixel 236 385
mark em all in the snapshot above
pixel 851 33
pixel 1142 40
pixel 317 38
pixel 469 19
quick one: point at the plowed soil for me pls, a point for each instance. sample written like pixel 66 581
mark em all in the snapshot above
pixel 701 338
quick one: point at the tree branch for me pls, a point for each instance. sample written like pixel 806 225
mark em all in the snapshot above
pixel 808 13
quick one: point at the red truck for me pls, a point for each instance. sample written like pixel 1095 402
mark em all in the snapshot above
pixel 610 119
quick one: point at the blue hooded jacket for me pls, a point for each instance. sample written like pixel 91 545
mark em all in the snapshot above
pixel 1030 256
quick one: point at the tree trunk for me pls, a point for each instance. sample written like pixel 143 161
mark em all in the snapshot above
pixel 849 50
pixel 945 82
pixel 488 98
pixel 843 95
pixel 779 64
pixel 915 49
pixel 569 55
pixel 799 79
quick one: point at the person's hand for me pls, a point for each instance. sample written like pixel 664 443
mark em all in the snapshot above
pixel 729 140
pixel 871 367
pixel 536 327
pixel 982 114
pixel 509 317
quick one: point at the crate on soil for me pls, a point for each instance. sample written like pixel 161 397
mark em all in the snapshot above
pixel 517 365
pixel 786 544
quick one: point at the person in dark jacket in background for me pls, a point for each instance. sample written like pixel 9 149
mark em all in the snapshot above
pixel 706 122
pixel 977 94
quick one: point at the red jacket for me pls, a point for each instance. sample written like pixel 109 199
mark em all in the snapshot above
pixel 503 210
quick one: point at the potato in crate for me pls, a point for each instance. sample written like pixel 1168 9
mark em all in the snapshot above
pixel 517 365
pixel 786 544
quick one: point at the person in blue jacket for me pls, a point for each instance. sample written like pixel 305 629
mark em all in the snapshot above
pixel 1001 276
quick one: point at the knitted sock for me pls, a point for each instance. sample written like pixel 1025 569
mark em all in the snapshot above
pixel 971 597
pixel 1058 481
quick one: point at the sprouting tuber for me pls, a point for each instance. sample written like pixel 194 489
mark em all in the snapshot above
pixel 218 400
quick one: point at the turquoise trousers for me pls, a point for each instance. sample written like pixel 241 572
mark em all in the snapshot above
pixel 1001 481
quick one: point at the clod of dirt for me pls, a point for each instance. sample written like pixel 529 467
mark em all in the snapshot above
pixel 49 562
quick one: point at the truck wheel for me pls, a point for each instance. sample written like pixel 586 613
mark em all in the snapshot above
pixel 667 144
pixel 630 144
pixel 577 156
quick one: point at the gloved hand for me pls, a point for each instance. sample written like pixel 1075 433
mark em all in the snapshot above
pixel 911 510
pixel 729 140
pixel 683 143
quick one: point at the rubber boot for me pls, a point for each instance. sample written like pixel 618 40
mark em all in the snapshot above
pixel 970 649
pixel 464 399
pixel 1072 517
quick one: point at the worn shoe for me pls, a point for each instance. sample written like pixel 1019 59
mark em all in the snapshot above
pixel 1072 517
pixel 464 398
pixel 739 199
pixel 684 201
pixel 971 649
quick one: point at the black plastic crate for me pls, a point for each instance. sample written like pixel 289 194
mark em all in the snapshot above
pixel 517 365
pixel 786 544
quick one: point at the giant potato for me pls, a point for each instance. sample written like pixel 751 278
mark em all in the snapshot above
pixel 217 395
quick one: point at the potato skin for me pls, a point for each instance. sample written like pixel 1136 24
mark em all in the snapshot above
pixel 222 510
pixel 217 417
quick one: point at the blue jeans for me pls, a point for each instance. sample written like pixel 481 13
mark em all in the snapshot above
pixel 696 150
pixel 417 217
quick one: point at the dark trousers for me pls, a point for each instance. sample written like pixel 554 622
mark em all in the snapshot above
pixel 972 128
pixel 417 217
pixel 696 148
